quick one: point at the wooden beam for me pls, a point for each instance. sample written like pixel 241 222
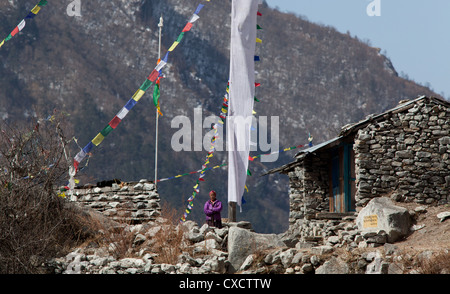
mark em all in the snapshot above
pixel 232 211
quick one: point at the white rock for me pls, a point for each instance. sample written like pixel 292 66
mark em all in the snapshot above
pixel 131 262
pixel 247 263
pixel 443 215
pixel 333 266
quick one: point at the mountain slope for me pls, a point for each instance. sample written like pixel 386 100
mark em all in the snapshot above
pixel 312 77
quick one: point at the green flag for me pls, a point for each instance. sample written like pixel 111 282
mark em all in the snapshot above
pixel 156 94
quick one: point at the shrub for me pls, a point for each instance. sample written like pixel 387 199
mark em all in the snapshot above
pixel 35 223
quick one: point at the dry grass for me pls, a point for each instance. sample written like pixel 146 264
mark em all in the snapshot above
pixel 165 237
pixel 115 235
pixel 437 264
pixel 168 243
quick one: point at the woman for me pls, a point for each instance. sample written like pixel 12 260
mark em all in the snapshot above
pixel 212 209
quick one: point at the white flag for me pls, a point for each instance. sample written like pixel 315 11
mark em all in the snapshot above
pixel 242 93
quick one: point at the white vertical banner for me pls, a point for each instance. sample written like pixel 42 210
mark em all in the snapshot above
pixel 242 93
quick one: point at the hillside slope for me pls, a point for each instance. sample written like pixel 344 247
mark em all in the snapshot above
pixel 312 77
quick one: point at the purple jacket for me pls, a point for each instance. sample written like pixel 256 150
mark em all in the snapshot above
pixel 212 210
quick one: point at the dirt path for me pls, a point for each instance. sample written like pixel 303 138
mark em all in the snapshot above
pixel 435 235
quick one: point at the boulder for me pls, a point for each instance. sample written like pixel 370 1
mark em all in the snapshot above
pixel 287 256
pixel 242 243
pixel 381 214
pixel 333 266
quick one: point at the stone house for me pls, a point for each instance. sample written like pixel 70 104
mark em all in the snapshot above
pixel 402 153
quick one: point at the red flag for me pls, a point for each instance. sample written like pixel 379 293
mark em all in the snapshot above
pixel 114 122
pixel 154 75
pixel 15 31
pixel 188 27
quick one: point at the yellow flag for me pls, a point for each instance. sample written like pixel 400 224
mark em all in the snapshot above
pixel 138 95
pixel 36 9
pixel 98 139
pixel 174 45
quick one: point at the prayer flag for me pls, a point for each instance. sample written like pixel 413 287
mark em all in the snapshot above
pixel 106 131
pixel 180 37
pixel 15 31
pixel 242 91
pixel 122 113
pixel 147 84
pixel 36 9
pixel 174 45
pixel 154 75
pixel 21 25
pixel 130 104
pixel 114 122
pixel 199 8
pixel 156 94
pixel 188 27
pixel 80 156
pixel 138 95
pixel 88 148
pixel 98 139
pixel 160 65
pixel 30 15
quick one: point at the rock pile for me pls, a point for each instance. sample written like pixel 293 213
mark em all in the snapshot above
pixel 207 250
pixel 354 244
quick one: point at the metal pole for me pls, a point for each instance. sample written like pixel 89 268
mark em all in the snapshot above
pixel 160 25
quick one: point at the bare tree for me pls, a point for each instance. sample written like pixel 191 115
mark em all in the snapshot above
pixel 35 222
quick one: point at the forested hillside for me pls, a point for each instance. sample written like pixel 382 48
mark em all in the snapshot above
pixel 312 77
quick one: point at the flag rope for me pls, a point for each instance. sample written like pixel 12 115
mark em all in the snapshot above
pixel 22 24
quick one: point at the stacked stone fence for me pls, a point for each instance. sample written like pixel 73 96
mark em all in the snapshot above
pixel 133 202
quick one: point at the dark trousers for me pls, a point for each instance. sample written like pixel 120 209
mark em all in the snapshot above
pixel 214 223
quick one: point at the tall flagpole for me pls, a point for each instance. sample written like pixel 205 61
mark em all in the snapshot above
pixel 160 25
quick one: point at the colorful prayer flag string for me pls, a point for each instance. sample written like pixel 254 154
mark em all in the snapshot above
pixel 251 158
pixel 22 24
pixel 212 149
pixel 153 78
pixel 157 72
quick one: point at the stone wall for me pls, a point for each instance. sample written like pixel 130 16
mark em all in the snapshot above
pixel 406 156
pixel 131 202
pixel 309 188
